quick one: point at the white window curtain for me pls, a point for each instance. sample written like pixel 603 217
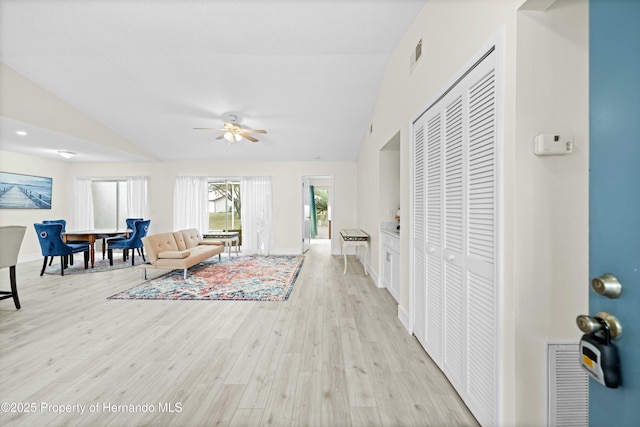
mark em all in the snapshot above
pixel 82 215
pixel 190 203
pixel 255 195
pixel 137 197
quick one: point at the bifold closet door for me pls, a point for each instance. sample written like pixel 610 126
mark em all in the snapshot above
pixel 454 235
pixel 482 332
pixel 433 281
pixel 418 235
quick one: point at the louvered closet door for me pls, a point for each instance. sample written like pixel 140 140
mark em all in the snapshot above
pixel 418 227
pixel 434 283
pixel 454 231
pixel 482 308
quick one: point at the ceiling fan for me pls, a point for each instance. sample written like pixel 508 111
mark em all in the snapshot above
pixel 233 131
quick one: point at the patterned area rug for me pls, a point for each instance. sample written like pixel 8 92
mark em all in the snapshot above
pixel 99 265
pixel 243 278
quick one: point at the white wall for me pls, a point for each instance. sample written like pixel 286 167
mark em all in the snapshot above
pixel 60 199
pixel 551 201
pixel 544 203
pixel 286 186
pixel 389 192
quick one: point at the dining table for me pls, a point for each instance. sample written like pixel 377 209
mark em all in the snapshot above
pixel 92 235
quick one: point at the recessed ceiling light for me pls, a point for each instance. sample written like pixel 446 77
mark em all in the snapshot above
pixel 21 133
pixel 67 154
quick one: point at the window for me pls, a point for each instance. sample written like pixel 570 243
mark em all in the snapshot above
pixel 109 203
pixel 224 205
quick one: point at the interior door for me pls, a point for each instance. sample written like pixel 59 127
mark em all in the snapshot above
pixel 614 194
pixel 306 216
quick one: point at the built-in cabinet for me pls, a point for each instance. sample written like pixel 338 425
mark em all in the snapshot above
pixel 453 236
pixel 390 262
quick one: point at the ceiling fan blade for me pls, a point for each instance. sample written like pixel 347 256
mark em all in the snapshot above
pixel 253 130
pixel 247 136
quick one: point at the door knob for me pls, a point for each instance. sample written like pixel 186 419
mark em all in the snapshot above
pixel 607 285
pixel 591 325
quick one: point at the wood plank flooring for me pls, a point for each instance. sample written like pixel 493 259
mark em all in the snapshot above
pixel 334 354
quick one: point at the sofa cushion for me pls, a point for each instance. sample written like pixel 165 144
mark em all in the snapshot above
pixel 177 237
pixel 154 244
pixel 190 237
pixel 173 254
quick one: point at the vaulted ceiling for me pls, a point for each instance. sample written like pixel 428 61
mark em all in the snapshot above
pixel 124 80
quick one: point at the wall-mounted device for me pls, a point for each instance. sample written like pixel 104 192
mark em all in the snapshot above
pixel 599 357
pixel 550 144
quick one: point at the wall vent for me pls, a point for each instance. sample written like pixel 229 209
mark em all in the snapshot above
pixel 568 392
pixel 415 55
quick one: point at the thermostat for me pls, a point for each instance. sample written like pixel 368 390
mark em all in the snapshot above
pixel 550 144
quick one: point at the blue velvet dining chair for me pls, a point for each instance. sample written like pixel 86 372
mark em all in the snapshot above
pixel 131 224
pixel 140 230
pixel 52 245
pixel 64 228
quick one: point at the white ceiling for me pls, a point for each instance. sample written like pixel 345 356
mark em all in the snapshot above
pixel 307 71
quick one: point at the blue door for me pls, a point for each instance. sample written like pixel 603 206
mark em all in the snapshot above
pixel 614 194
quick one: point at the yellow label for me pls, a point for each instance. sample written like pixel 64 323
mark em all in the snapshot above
pixel 587 361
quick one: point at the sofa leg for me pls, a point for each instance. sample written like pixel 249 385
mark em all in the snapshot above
pixel 185 274
pixel 144 274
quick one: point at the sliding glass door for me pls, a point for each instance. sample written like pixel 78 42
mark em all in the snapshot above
pixel 109 204
pixel 224 205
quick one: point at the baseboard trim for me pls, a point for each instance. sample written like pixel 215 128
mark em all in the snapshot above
pixel 403 316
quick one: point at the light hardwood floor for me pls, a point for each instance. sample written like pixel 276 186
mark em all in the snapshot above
pixel 334 354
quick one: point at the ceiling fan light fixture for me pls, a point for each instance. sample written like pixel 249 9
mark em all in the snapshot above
pixel 232 137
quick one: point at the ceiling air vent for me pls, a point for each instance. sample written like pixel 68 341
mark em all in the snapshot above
pixel 415 55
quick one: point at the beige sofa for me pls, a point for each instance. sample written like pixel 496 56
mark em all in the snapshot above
pixel 178 250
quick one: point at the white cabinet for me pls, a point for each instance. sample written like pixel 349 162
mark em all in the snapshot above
pixel 390 277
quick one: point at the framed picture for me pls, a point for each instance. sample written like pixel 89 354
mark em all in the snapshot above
pixel 19 191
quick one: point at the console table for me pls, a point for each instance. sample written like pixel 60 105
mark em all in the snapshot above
pixel 228 238
pixel 354 238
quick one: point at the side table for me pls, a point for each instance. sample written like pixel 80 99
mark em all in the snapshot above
pixel 228 239
pixel 354 238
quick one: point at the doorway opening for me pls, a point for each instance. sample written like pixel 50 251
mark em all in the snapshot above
pixel 317 206
pixel 320 219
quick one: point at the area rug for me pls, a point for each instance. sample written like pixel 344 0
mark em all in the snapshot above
pixel 243 278
pixel 99 265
